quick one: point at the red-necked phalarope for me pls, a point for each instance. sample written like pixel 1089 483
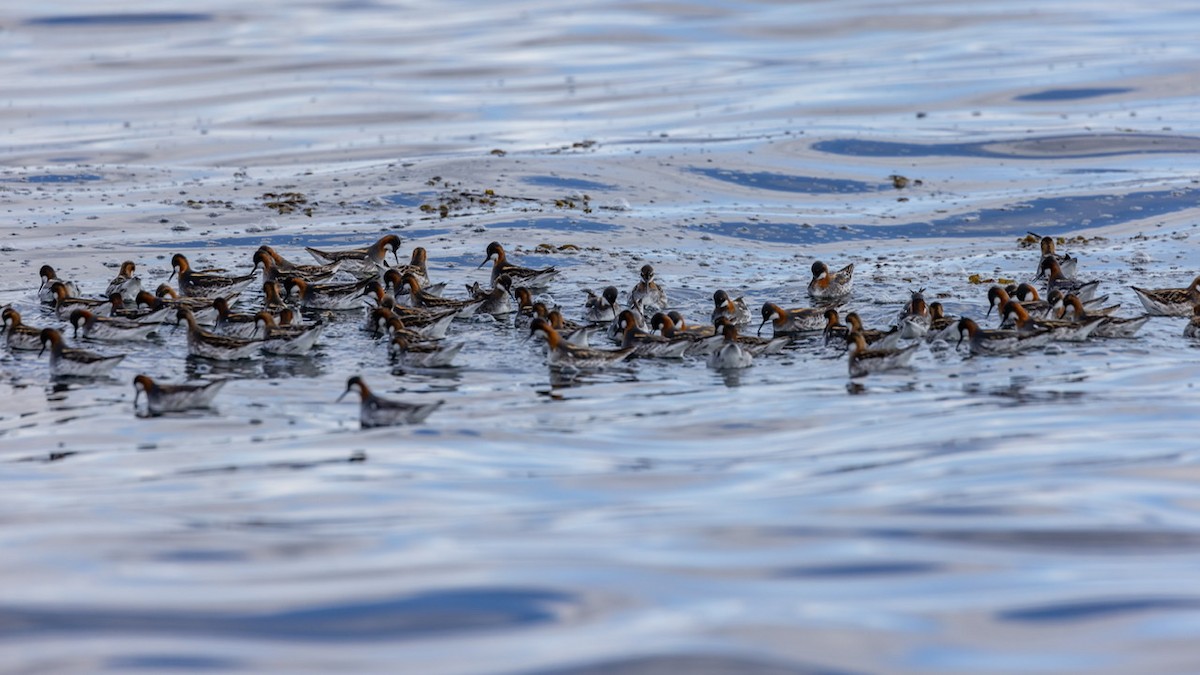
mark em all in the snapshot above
pixel 829 286
pixel 377 411
pixel 206 284
pixel 422 353
pixel 68 362
pixel 647 345
pixel 864 360
pixel 419 298
pixel 1192 330
pixel 878 339
pixel 326 296
pixel 530 278
pixel 362 262
pixel 648 292
pixel 286 268
pixel 1086 290
pixel 1065 261
pixel 272 272
pixel 1069 331
pixel 19 336
pixel 64 304
pixel 497 300
pixel 1170 301
pixel 999 342
pixel 287 340
pixel 914 319
pixel 110 328
pixel 216 347
pixel 168 398
pixel 201 308
pixel 562 355
pixel 125 283
pixel 731 355
pixel 49 276
pixel 235 324
pixel 1110 327
pixel 791 322
pixel 733 309
pixel 600 308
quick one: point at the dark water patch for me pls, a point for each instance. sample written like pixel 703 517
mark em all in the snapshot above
pixel 407 199
pixel 410 617
pixel 1048 216
pixel 555 225
pixel 693 664
pixel 340 240
pixel 124 19
pixel 781 182
pixel 173 662
pixel 1096 609
pixel 860 570
pixel 55 178
pixel 201 556
pixel 1072 94
pixel 1047 147
pixel 566 183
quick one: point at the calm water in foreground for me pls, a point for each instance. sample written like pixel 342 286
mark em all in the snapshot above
pixel 1031 514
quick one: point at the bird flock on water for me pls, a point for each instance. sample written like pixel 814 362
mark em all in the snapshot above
pixel 398 303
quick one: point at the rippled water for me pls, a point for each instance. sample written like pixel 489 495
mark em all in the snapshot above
pixel 1028 514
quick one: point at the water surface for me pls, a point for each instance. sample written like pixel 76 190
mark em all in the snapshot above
pixel 1027 514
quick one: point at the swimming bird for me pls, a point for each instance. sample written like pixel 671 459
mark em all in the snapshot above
pixel 212 346
pixel 64 303
pixel 999 341
pixel 914 319
pixel 326 296
pixel 418 266
pixel 562 355
pixel 125 283
pixel 136 313
pixel 167 398
pixel 1192 330
pixel 649 345
pixel 791 322
pixel 419 298
pixel 194 283
pixel 1110 327
pixel 879 339
pixel 941 326
pixel 496 300
pixel 647 292
pixel 286 268
pixel 726 307
pixel 1170 301
pixel 864 360
pixel 235 324
pixel 530 278
pixel 1086 290
pixel 49 276
pixel 17 335
pixel 363 262
pixel 286 340
pixel 69 362
pixel 313 274
pixel 111 328
pixel 829 286
pixel 377 411
pixel 422 353
pixel 1069 331
pixel 1065 261
pixel 201 308
pixel 600 308
pixel 731 355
